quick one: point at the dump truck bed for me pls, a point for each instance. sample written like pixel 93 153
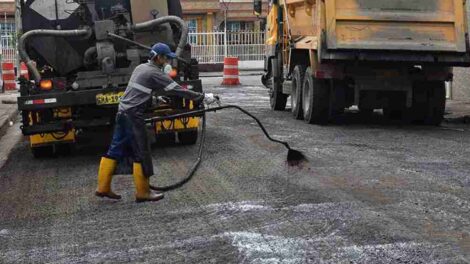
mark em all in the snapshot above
pixel 404 25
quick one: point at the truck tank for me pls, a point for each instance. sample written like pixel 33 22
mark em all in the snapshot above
pixel 70 15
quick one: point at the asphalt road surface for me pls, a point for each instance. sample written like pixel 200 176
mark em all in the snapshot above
pixel 373 191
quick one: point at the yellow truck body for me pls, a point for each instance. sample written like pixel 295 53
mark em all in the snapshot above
pixel 421 25
pixel 363 46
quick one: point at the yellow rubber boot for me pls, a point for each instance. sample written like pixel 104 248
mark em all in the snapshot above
pixel 105 176
pixel 142 186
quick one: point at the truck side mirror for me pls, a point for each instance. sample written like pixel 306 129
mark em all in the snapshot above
pixel 257 7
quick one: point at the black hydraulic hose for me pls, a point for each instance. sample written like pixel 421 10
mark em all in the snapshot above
pixel 90 53
pixel 150 25
pixel 193 168
pixel 85 32
pixel 294 157
pixel 215 109
pixel 140 45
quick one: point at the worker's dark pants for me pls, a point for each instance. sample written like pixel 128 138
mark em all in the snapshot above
pixel 130 142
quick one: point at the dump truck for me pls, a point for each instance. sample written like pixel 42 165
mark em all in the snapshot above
pixel 395 55
pixel 80 55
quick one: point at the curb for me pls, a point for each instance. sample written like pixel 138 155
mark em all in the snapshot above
pixel 220 75
pixel 9 102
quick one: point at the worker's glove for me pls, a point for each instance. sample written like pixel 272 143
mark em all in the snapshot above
pixel 209 98
pixel 159 100
pixel 167 69
pixel 163 100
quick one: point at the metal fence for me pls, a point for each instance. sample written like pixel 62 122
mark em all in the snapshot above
pixel 209 47
pixel 206 47
pixel 8 42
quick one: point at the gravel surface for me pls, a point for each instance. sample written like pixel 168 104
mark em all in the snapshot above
pixel 461 84
pixel 372 192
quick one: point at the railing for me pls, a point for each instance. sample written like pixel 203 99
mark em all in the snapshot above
pixel 209 47
pixel 8 42
pixel 206 47
pixel 9 55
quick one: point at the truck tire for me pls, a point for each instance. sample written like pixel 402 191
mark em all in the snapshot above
pixel 393 114
pixel 429 102
pixel 65 149
pixel 42 152
pixel 315 99
pixel 436 103
pixel 165 139
pixel 366 111
pixel 363 108
pixel 396 109
pixel 420 102
pixel 188 137
pixel 338 100
pixel 296 95
pixel 277 99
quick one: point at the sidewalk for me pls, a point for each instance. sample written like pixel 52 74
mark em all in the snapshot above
pixel 8 109
pixel 458 111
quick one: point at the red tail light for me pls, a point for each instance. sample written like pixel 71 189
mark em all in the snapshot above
pixel 45 85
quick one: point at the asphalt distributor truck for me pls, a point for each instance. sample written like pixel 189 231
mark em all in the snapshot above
pixel 80 55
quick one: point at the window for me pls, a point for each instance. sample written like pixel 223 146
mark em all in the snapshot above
pixel 250 26
pixel 7 35
pixel 192 25
pixel 233 26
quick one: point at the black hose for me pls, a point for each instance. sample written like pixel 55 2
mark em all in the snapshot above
pixel 140 45
pixel 90 56
pixel 123 39
pixel 150 25
pixel 195 166
pixel 294 157
pixel 85 32
pixel 215 109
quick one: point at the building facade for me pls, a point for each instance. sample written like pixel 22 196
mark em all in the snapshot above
pixel 209 15
pixel 7 31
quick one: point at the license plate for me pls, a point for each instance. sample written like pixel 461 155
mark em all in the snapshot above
pixel 108 98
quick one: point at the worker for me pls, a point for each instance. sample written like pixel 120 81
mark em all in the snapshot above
pixel 130 136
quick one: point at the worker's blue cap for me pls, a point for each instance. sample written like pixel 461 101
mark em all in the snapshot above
pixel 161 49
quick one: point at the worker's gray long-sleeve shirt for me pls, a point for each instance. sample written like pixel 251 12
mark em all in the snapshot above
pixel 148 79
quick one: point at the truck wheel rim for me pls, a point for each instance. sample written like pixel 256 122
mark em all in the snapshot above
pixel 271 91
pixel 306 96
pixel 294 94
